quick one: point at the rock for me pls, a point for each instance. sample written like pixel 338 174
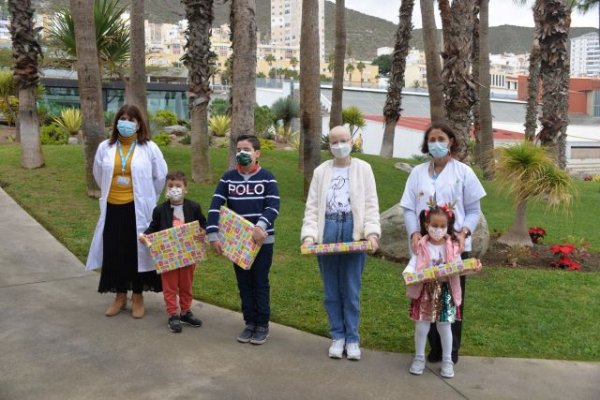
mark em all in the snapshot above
pixel 177 130
pixel 403 167
pixel 394 241
pixel 73 140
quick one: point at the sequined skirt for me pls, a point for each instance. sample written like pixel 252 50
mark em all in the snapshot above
pixel 435 304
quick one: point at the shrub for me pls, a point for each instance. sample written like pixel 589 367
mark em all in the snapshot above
pixel 165 118
pixel 53 134
pixel 266 144
pixel 187 139
pixel 162 139
pixel 69 120
pixel 219 107
pixel 219 125
pixel 109 118
pixel 354 118
pixel 263 119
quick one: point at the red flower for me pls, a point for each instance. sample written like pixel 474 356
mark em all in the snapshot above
pixel 562 249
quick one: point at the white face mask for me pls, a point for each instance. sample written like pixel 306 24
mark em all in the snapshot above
pixel 175 193
pixel 341 150
pixel 437 233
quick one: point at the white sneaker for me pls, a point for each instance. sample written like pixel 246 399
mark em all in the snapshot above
pixel 417 366
pixel 336 350
pixel 353 351
pixel 447 370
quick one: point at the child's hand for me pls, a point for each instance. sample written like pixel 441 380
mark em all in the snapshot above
pixel 414 240
pixel 217 246
pixel 259 235
pixel 374 243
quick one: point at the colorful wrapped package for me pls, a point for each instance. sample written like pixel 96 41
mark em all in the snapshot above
pixel 235 232
pixel 437 272
pixel 331 248
pixel 176 247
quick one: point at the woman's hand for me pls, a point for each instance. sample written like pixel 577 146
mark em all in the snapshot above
pixel 374 243
pixel 217 246
pixel 461 236
pixel 414 240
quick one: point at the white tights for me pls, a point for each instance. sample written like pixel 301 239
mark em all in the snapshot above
pixel 421 331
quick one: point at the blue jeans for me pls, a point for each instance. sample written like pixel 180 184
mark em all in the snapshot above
pixel 254 288
pixel 342 277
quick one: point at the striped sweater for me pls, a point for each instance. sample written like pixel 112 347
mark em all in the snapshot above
pixel 254 197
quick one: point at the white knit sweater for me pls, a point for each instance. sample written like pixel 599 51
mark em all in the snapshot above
pixel 363 200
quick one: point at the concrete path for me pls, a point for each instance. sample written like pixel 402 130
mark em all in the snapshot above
pixel 55 343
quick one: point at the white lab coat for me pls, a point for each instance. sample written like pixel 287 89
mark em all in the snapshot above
pixel 148 172
pixel 457 183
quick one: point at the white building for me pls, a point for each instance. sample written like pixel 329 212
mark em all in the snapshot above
pixel 384 51
pixel 286 22
pixel 585 55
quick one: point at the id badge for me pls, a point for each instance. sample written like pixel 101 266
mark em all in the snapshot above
pixel 123 181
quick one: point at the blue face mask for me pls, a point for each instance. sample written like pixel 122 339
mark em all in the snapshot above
pixel 438 149
pixel 126 128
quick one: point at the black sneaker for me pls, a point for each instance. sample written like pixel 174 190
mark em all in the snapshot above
pixel 246 334
pixel 260 335
pixel 174 324
pixel 188 318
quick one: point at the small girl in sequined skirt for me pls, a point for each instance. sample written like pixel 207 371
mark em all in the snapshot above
pixel 436 301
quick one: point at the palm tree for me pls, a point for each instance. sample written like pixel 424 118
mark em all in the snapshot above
pixel 458 85
pixel 26 52
pixel 90 86
pixel 270 59
pixel 432 61
pixel 361 67
pixel 330 63
pixel 337 64
pixel 310 90
pixel 199 60
pixel 446 16
pixel 486 138
pixel 112 34
pixel 527 172
pixel 554 69
pixel 349 71
pixel 243 88
pixel 392 109
pixel 137 77
pixel 354 118
pixel 285 109
pixel 294 63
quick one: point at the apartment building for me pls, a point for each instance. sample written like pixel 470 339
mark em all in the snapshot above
pixel 585 55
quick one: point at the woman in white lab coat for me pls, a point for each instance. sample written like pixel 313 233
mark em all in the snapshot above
pixel 130 170
pixel 446 181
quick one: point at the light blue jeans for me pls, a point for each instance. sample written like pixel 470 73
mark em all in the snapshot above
pixel 342 277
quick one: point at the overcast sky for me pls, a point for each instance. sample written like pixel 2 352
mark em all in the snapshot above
pixel 502 12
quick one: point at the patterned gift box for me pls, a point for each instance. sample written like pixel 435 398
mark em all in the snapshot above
pixel 331 248
pixel 437 272
pixel 235 232
pixel 176 247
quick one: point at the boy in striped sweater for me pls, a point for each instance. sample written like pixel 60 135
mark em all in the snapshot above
pixel 250 191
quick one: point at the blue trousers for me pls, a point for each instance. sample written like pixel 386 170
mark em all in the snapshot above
pixel 254 288
pixel 342 278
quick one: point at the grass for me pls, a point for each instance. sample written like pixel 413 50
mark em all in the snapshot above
pixel 509 312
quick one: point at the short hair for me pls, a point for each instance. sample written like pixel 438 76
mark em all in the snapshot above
pixel 250 138
pixel 143 133
pixel 444 128
pixel 176 176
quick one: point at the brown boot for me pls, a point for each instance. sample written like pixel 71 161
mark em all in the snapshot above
pixel 137 305
pixel 119 304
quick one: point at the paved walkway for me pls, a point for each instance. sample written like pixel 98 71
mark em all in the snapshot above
pixel 55 343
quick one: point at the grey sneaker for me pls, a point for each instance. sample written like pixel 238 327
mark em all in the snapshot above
pixel 189 319
pixel 246 334
pixel 174 324
pixel 447 370
pixel 260 335
pixel 417 366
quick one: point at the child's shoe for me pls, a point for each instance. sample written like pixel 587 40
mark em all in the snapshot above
pixel 336 350
pixel 261 333
pixel 353 351
pixel 189 319
pixel 174 324
pixel 418 366
pixel 447 370
pixel 246 334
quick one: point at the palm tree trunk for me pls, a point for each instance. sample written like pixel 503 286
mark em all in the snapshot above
pixel 90 87
pixel 243 77
pixel 199 59
pixel 533 85
pixel 393 102
pixel 432 61
pixel 337 90
pixel 26 52
pixel 137 79
pixel 445 14
pixel 518 234
pixel 458 85
pixel 475 75
pixel 310 90
pixel 486 137
pixel 554 69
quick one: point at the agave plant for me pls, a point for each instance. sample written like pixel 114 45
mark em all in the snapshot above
pixel 527 172
pixel 69 120
pixel 354 118
pixel 220 125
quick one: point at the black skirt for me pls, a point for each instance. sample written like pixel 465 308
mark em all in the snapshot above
pixel 119 256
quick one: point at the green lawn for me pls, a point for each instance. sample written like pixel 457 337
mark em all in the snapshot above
pixel 509 312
